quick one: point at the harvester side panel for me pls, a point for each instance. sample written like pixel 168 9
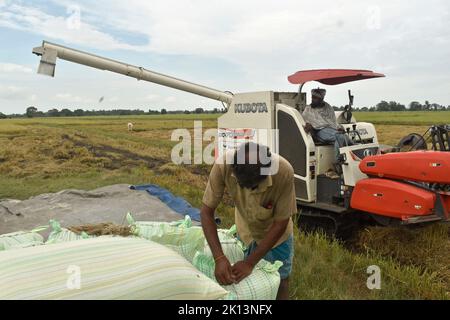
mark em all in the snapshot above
pixel 424 166
pixel 392 199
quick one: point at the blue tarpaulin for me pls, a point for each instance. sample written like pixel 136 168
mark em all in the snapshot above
pixel 177 204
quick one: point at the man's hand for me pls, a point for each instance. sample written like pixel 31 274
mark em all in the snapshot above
pixel 241 270
pixel 223 272
pixel 308 128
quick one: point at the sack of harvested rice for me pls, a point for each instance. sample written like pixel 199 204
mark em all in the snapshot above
pixel 21 239
pixel 178 235
pixel 186 239
pixel 232 247
pixel 59 234
pixel 102 268
pixel 262 284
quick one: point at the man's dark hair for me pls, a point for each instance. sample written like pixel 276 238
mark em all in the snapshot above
pixel 248 161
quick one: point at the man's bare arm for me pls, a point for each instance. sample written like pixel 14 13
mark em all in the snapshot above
pixel 210 230
pixel 223 271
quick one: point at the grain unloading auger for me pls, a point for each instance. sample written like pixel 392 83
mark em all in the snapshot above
pixel 403 187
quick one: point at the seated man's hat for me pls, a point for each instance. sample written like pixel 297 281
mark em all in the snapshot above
pixel 319 92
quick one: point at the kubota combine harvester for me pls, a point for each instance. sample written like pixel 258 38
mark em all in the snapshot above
pixel 396 187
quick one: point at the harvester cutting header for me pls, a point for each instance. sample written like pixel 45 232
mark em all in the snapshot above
pixel 397 187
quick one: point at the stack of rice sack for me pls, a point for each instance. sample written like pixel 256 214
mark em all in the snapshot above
pixel 21 239
pixel 161 261
pixel 102 268
pixel 191 243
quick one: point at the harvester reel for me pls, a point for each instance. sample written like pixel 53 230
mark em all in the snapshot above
pixel 411 142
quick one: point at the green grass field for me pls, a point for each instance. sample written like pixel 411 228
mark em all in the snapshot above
pixel 405 118
pixel 51 154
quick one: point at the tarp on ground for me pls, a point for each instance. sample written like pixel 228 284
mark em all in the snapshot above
pixel 78 207
pixel 177 204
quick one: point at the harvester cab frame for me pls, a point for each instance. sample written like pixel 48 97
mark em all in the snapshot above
pixel 324 199
pixel 402 187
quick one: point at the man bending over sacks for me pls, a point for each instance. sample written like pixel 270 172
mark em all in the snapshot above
pixel 261 185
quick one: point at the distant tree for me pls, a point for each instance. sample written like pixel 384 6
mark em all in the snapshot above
pixel 199 110
pixel 163 111
pixel 31 112
pixel 382 106
pixel 66 113
pixel 427 105
pixel 395 106
pixel 187 112
pixel 364 109
pixel 390 106
pixel 53 113
pixel 78 113
pixel 415 106
pixel 436 107
pixel 3 116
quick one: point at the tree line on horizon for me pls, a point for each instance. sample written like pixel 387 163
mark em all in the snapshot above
pixel 33 112
pixel 395 106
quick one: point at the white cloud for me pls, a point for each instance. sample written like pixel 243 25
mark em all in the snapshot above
pixel 12 93
pixel 14 68
pixel 15 93
pixel 267 40
pixel 170 99
pixel 70 98
pixel 264 41
pixel 28 18
pixel 152 97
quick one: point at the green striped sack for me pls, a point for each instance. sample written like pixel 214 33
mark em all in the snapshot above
pixel 262 284
pixel 102 268
pixel 232 248
pixel 21 239
pixel 59 234
pixel 180 236
pixel 186 239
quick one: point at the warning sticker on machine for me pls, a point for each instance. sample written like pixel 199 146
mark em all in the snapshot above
pixel 231 138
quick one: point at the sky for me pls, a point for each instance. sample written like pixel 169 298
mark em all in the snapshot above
pixel 239 46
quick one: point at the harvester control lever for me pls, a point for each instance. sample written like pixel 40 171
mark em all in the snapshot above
pixel 348 108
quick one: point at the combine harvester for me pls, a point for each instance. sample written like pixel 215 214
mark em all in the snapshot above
pixel 393 188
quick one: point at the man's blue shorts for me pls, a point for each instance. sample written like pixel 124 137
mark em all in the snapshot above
pixel 284 252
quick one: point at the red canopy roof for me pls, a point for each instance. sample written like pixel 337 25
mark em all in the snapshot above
pixel 332 76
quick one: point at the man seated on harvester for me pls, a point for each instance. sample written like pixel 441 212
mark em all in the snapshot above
pixel 321 122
